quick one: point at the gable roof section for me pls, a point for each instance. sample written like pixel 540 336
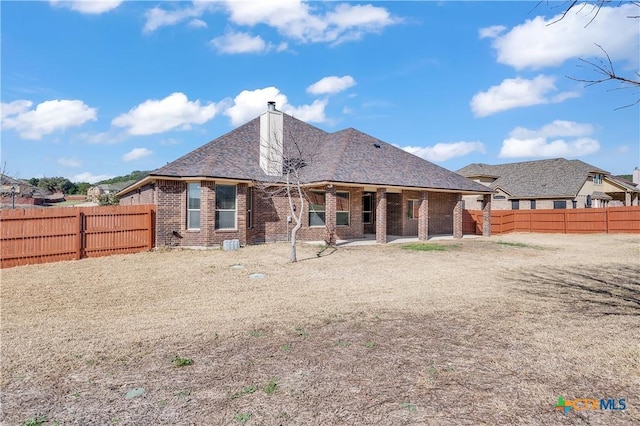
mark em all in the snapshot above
pixel 625 184
pixel 556 177
pixel 347 156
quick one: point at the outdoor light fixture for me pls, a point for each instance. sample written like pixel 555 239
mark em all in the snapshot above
pixel 13 196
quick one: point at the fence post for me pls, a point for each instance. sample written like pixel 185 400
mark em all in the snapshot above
pixel 606 218
pixel 150 223
pixel 79 239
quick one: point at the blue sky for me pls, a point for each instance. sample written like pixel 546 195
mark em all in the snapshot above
pixel 92 90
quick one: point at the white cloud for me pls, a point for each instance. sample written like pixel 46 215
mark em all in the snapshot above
pixel 536 44
pixel 518 92
pixel 197 23
pixel 93 7
pixel 251 103
pixel 69 162
pixel 331 85
pixel 158 17
pixel 445 151
pixel 136 154
pixel 102 138
pixel 491 32
pixel 541 147
pixel 158 116
pixel 15 107
pixel 89 177
pixel 169 142
pixel 48 117
pixel 557 128
pixel 573 141
pixel 313 113
pixel 294 19
pixel 234 43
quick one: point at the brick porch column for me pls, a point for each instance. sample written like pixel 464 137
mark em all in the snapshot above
pixel 381 216
pixel 330 216
pixel 627 198
pixel 423 217
pixel 457 217
pixel 241 211
pixel 486 216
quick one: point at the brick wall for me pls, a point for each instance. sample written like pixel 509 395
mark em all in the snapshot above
pixel 394 214
pixel 143 195
pixel 381 216
pixel 170 214
pixel 441 207
pixel 271 212
pixel 457 217
pixel 8 200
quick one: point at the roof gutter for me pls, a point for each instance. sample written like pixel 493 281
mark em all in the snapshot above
pixel 367 187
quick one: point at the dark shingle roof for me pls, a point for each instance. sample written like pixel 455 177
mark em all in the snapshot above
pixel 542 178
pixel 348 156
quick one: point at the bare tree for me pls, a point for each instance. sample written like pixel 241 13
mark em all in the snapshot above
pixel 603 69
pixel 606 72
pixel 286 154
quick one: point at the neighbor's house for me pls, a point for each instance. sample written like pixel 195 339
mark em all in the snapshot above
pixel 19 192
pixel 94 192
pixel 355 184
pixel 549 184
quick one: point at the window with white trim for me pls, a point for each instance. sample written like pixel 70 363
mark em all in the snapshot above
pixel 342 208
pixel 193 205
pixel 413 207
pixel 316 208
pixel 226 211
pixel 597 179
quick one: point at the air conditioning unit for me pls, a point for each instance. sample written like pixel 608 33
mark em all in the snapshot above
pixel 231 244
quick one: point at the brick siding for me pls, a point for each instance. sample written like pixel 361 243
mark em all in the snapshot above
pixel 269 215
pixel 441 206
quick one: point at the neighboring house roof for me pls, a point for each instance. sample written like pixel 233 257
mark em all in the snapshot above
pixel 346 156
pixel 113 187
pixel 599 195
pixel 23 188
pixel 556 177
pixel 624 183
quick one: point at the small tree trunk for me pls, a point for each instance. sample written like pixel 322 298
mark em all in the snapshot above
pixel 294 231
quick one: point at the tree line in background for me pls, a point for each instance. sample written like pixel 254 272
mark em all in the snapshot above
pixel 64 185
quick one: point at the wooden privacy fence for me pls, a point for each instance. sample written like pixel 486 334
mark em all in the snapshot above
pixel 565 221
pixel 43 235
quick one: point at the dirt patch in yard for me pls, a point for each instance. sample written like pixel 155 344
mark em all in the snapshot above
pixel 489 331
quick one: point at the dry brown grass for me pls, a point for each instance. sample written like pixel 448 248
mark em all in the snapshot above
pixel 482 333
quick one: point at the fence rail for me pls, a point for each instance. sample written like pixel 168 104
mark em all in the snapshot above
pixel 30 236
pixel 565 221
